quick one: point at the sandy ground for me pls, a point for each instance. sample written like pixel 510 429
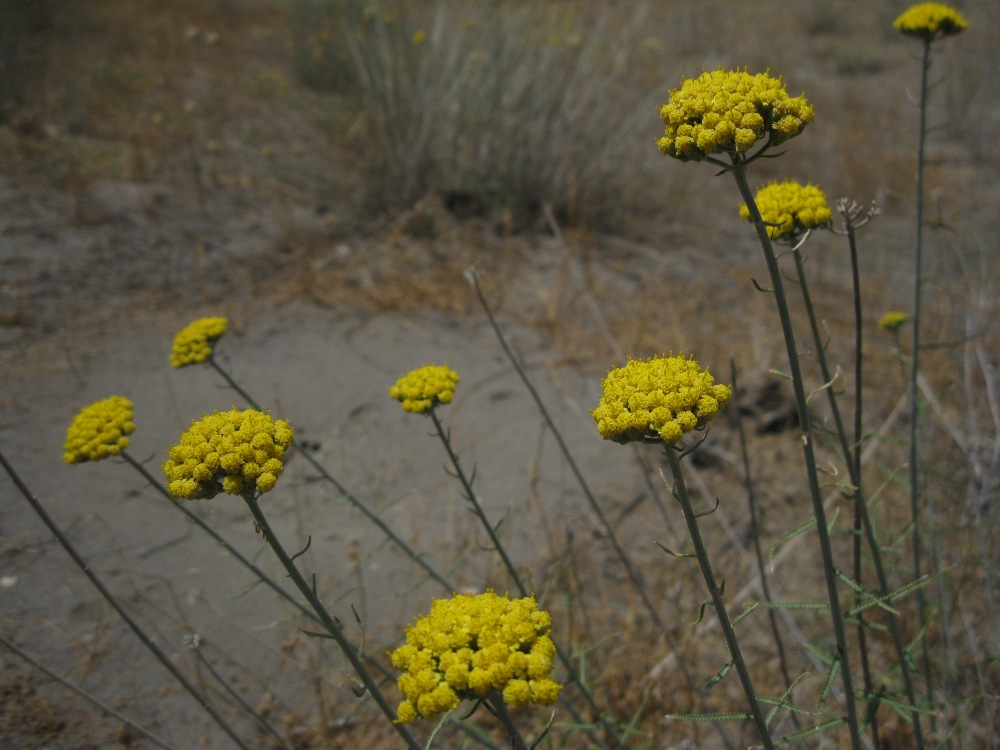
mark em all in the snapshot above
pixel 328 372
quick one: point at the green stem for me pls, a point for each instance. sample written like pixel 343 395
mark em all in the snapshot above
pixel 634 578
pixel 772 615
pixel 352 499
pixel 680 492
pixel 473 499
pixel 330 623
pixel 915 364
pixel 826 548
pixel 194 518
pixel 147 641
pixel 499 709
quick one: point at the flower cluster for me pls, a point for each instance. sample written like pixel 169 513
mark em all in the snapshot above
pixel 660 398
pixel 728 112
pixel 928 20
pixel 792 207
pixel 893 319
pixel 193 345
pixel 234 452
pixel 470 645
pixel 422 389
pixel 99 430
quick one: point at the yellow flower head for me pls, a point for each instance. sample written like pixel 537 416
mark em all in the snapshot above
pixel 422 389
pixel 793 207
pixel 728 112
pixel 235 452
pixel 660 398
pixel 194 344
pixel 893 319
pixel 99 430
pixel 928 20
pixel 471 644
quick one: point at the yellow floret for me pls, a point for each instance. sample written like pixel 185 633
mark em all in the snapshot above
pixel 422 389
pixel 893 319
pixel 99 430
pixel 728 112
pixel 928 20
pixel 508 650
pixel 217 454
pixel 660 398
pixel 791 208
pixel 194 343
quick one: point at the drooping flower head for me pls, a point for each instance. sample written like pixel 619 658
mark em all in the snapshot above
pixel 234 452
pixel 99 430
pixel 659 398
pixel 194 343
pixel 422 389
pixel 794 208
pixel 471 644
pixel 728 111
pixel 930 20
pixel 893 320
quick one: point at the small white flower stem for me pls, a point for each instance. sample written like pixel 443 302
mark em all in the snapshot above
pixel 330 623
pixel 351 498
pixel 146 639
pixel 495 703
pixel 739 173
pixel 715 591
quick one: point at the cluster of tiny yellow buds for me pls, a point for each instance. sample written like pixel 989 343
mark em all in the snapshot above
pixel 422 389
pixel 892 320
pixel 236 452
pixel 928 20
pixel 470 645
pixel 660 398
pixel 193 345
pixel 99 430
pixel 728 112
pixel 791 208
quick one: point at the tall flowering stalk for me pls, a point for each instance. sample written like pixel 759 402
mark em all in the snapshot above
pixel 242 453
pixel 659 400
pixel 927 22
pixel 730 119
pixel 195 344
pixel 792 212
pixel 422 391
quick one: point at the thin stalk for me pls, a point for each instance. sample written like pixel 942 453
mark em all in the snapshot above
pixel 798 384
pixel 89 697
pixel 925 67
pixel 144 637
pixel 351 498
pixel 591 499
pixel 473 499
pixel 264 723
pixel 772 615
pixel 193 517
pixel 852 460
pixel 630 570
pixel 680 492
pixel 495 703
pixel 477 508
pixel 330 623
